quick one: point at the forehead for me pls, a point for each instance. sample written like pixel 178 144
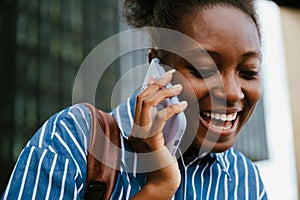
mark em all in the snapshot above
pixel 221 27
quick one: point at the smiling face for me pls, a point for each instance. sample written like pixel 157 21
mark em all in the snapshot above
pixel 226 79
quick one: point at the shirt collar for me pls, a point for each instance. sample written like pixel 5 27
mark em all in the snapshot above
pixel 220 157
pixel 123 115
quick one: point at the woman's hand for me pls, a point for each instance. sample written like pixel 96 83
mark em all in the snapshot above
pixel 146 136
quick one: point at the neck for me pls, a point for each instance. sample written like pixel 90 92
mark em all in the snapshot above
pixel 194 151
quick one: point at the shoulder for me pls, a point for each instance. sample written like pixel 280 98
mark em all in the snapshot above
pixel 63 129
pixel 55 155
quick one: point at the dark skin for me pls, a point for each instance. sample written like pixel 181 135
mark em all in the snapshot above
pixel 226 94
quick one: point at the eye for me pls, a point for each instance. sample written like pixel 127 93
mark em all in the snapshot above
pixel 203 73
pixel 249 75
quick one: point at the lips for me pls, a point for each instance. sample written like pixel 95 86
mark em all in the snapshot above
pixel 221 123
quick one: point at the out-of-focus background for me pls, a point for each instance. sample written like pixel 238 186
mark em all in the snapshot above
pixel 43 43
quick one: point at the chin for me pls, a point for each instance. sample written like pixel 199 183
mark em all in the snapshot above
pixel 209 143
pixel 218 148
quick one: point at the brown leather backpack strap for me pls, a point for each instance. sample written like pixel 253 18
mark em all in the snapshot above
pixel 103 155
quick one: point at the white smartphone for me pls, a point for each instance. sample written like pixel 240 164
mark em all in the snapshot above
pixel 176 125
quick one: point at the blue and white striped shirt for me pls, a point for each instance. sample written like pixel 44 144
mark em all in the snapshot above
pixel 221 176
pixel 53 164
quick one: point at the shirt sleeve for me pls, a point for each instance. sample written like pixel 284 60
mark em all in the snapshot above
pixel 53 163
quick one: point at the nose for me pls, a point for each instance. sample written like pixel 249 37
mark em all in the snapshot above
pixel 229 89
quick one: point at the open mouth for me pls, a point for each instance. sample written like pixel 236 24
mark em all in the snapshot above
pixel 219 121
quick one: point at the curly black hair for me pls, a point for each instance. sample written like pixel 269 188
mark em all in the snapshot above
pixel 169 13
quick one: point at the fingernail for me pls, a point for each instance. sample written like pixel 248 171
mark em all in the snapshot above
pixel 183 105
pixel 176 88
pixel 164 79
pixel 170 71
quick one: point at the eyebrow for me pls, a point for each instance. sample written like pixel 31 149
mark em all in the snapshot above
pixel 201 51
pixel 257 54
pixel 208 52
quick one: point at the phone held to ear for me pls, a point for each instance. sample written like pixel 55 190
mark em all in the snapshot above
pixel 175 126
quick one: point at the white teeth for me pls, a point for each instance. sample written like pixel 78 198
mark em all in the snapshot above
pixel 223 117
pixel 221 127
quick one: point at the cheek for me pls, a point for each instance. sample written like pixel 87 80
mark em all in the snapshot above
pixel 253 92
pixel 193 88
pixel 198 89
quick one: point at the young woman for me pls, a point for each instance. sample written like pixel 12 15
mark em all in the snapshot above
pixel 226 84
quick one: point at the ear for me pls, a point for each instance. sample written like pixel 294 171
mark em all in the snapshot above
pixel 152 54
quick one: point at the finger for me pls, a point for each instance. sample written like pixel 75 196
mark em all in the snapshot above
pixel 162 116
pixel 158 84
pixel 147 105
pixel 167 92
pixel 144 140
pixel 141 105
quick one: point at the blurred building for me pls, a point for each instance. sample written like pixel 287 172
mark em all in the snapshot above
pixel 42 44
